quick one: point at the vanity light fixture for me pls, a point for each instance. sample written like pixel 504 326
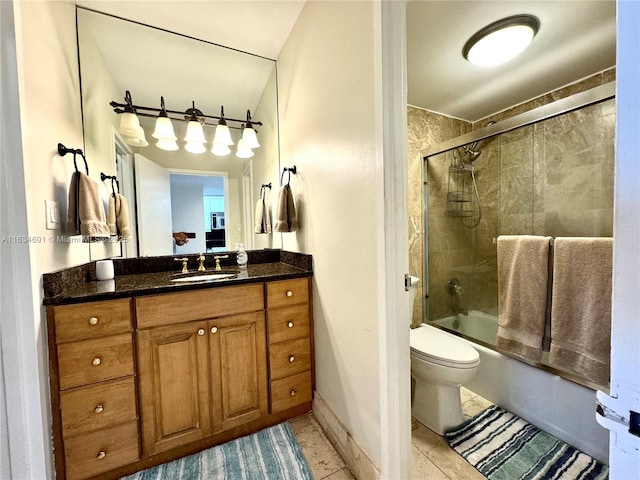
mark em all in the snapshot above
pixel 130 127
pixel 164 130
pixel 249 136
pixel 243 151
pixel 195 140
pixel 223 134
pixel 501 41
pixel 195 136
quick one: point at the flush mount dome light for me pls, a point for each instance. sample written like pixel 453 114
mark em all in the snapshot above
pixel 501 41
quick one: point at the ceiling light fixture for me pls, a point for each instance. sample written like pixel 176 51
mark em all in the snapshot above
pixel 501 41
pixel 195 139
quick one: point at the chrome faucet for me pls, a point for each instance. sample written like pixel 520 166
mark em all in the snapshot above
pixel 455 290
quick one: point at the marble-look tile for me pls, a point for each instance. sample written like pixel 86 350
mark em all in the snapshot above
pixel 436 449
pixel 474 405
pixel 423 468
pixel 320 454
pixel 343 474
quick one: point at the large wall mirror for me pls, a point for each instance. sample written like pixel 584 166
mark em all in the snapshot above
pixel 210 197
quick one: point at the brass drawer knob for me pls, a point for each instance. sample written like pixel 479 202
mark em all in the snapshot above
pixel 93 321
pixel 291 359
pixel 290 324
pixel 201 331
pixel 292 393
pixel 289 293
pixel 98 409
pixel 101 455
pixel 96 361
pixel 214 329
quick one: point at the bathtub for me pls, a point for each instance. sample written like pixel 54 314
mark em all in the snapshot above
pixel 558 406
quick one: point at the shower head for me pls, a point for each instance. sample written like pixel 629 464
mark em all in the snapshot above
pixel 470 153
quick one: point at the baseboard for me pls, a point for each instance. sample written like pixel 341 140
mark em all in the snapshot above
pixel 361 466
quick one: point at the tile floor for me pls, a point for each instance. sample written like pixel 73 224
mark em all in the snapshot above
pixel 431 456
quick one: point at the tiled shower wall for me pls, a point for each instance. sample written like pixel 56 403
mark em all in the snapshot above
pixel 552 178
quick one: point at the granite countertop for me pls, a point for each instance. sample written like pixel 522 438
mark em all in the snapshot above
pixel 78 284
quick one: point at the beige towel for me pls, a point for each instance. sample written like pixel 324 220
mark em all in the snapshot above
pixel 581 307
pixel 287 220
pixel 86 212
pixel 122 216
pixel 263 215
pixel 118 216
pixel 523 275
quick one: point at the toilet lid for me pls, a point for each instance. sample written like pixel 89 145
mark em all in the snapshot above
pixel 438 346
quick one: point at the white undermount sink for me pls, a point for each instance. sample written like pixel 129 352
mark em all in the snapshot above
pixel 204 278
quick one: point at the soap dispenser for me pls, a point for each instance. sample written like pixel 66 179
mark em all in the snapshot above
pixel 241 256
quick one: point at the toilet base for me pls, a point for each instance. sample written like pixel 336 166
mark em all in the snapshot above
pixel 437 407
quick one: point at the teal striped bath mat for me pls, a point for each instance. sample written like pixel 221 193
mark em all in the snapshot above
pixel 270 454
pixel 502 446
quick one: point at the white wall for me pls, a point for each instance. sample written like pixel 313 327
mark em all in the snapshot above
pixel 327 110
pixel 187 211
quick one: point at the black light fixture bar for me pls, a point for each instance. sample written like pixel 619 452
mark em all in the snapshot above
pixel 154 112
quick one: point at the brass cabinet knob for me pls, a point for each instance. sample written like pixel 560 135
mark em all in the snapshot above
pixel 98 409
pixel 96 361
pixel 291 359
pixel 292 393
pixel 101 454
pixel 201 331
pixel 289 293
pixel 214 329
pixel 290 324
pixel 93 321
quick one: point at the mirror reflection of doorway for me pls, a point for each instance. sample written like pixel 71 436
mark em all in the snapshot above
pixel 198 205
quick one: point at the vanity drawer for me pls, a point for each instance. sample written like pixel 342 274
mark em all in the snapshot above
pixel 287 292
pixel 92 320
pixel 288 323
pixel 98 406
pixel 290 391
pixel 288 358
pixel 184 307
pixel 95 453
pixel 91 361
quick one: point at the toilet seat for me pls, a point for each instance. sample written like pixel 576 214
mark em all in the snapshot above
pixel 439 347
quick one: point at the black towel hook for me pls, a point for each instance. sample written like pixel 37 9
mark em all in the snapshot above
pixel 291 170
pixel 113 179
pixel 62 151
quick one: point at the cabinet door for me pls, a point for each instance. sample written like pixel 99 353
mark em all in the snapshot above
pixel 174 385
pixel 238 361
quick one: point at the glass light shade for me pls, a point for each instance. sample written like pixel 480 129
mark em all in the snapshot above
pixel 164 129
pixel 137 139
pixel 223 135
pixel 195 147
pixel 250 138
pixel 129 124
pixel 195 133
pixel 166 144
pixel 243 150
pixel 500 46
pixel 220 149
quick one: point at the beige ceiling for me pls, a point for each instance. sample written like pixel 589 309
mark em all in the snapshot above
pixel 576 39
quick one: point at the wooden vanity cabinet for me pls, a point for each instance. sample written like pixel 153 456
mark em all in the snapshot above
pixel 199 377
pixel 140 381
pixel 92 387
pixel 290 343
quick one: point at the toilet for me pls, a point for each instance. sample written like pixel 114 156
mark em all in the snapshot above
pixel 440 364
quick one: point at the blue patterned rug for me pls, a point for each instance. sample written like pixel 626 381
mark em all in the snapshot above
pixel 502 446
pixel 271 454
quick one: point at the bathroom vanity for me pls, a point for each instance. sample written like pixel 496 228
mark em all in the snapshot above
pixel 148 369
